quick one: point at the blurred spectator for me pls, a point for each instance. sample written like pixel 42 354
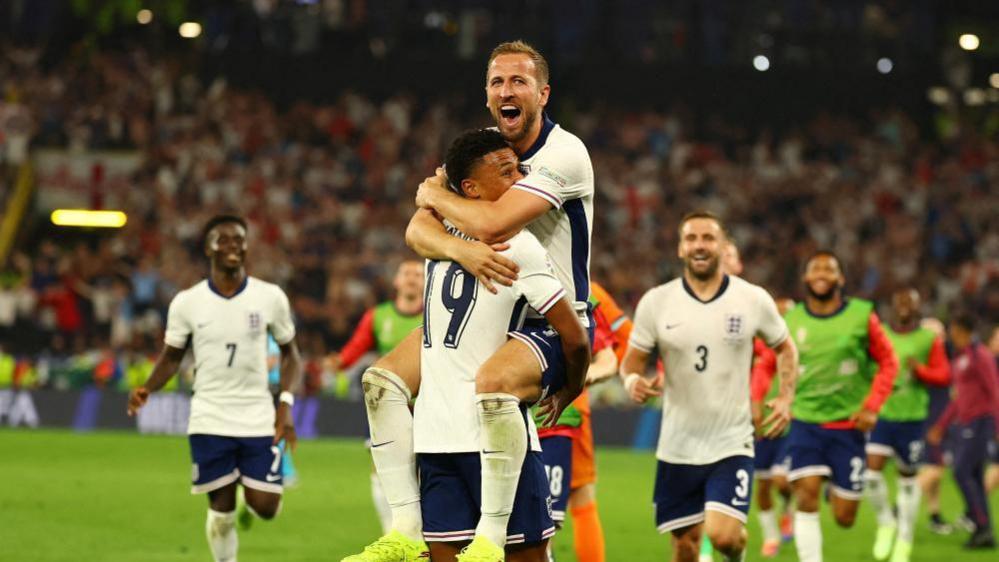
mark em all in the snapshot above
pixel 328 191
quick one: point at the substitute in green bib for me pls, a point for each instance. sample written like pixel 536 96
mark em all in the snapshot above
pixel 381 329
pixel 922 361
pixel 847 372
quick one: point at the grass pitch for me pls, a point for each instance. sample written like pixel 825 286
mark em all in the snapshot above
pixel 122 497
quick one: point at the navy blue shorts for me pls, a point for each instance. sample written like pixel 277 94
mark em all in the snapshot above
pixel 219 461
pixel 451 496
pixel 556 451
pixel 684 491
pixel 770 457
pixel 547 347
pixel 903 440
pixel 837 454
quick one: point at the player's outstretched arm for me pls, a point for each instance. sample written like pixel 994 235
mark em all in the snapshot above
pixel 576 348
pixel 291 371
pixel 639 387
pixel 780 407
pixel 166 366
pixel 427 237
pixel 488 221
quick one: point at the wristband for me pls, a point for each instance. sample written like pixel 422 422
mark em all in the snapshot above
pixel 287 397
pixel 630 380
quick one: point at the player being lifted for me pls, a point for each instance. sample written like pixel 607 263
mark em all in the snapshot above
pixel 703 325
pixel 233 429
pixel 899 432
pixel 841 344
pixel 381 328
pixel 555 203
pixel 463 328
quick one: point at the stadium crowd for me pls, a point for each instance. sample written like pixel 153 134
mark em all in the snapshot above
pixel 328 189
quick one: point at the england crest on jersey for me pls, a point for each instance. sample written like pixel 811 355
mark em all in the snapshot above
pixel 734 326
pixel 253 319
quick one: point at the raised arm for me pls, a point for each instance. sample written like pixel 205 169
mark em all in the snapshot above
pixel 428 237
pixel 166 367
pixel 488 221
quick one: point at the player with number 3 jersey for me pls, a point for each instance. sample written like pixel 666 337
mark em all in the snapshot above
pixel 703 325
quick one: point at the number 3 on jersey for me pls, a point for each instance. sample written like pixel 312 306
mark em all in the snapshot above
pixel 702 361
pixel 459 290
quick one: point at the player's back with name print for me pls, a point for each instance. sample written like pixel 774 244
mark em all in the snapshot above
pixel 464 325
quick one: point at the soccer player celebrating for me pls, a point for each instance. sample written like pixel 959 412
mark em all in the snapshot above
pixel 381 328
pixel 703 325
pixel 841 343
pixel 555 203
pixel 233 429
pixel 976 410
pixel 463 328
pixel 899 432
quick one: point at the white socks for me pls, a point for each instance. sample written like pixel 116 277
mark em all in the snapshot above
pixel 386 398
pixel 504 446
pixel 908 507
pixel 768 522
pixel 381 506
pixel 221 531
pixel 877 493
pixel 808 536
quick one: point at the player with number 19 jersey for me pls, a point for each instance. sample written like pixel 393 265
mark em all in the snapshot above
pixel 463 327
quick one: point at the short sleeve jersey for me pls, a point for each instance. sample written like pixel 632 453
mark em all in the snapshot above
pixel 559 171
pixel 464 325
pixel 228 336
pixel 707 349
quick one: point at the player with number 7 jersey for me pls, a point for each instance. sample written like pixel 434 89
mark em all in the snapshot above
pixel 234 429
pixel 703 325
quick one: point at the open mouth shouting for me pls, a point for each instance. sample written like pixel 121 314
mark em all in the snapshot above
pixel 510 115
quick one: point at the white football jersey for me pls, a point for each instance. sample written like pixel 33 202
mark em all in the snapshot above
pixel 707 348
pixel 559 171
pixel 229 340
pixel 464 325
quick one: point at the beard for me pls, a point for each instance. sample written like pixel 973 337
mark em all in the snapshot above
pixel 708 273
pixel 528 118
pixel 822 297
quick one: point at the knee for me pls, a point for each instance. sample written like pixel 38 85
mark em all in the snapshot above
pixel 380 385
pixel 265 510
pixel 728 542
pixel 845 519
pixel 806 499
pixel 491 380
pixel 686 547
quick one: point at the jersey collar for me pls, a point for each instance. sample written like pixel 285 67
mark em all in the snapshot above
pixel 546 128
pixel 841 308
pixel 721 290
pixel 216 290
